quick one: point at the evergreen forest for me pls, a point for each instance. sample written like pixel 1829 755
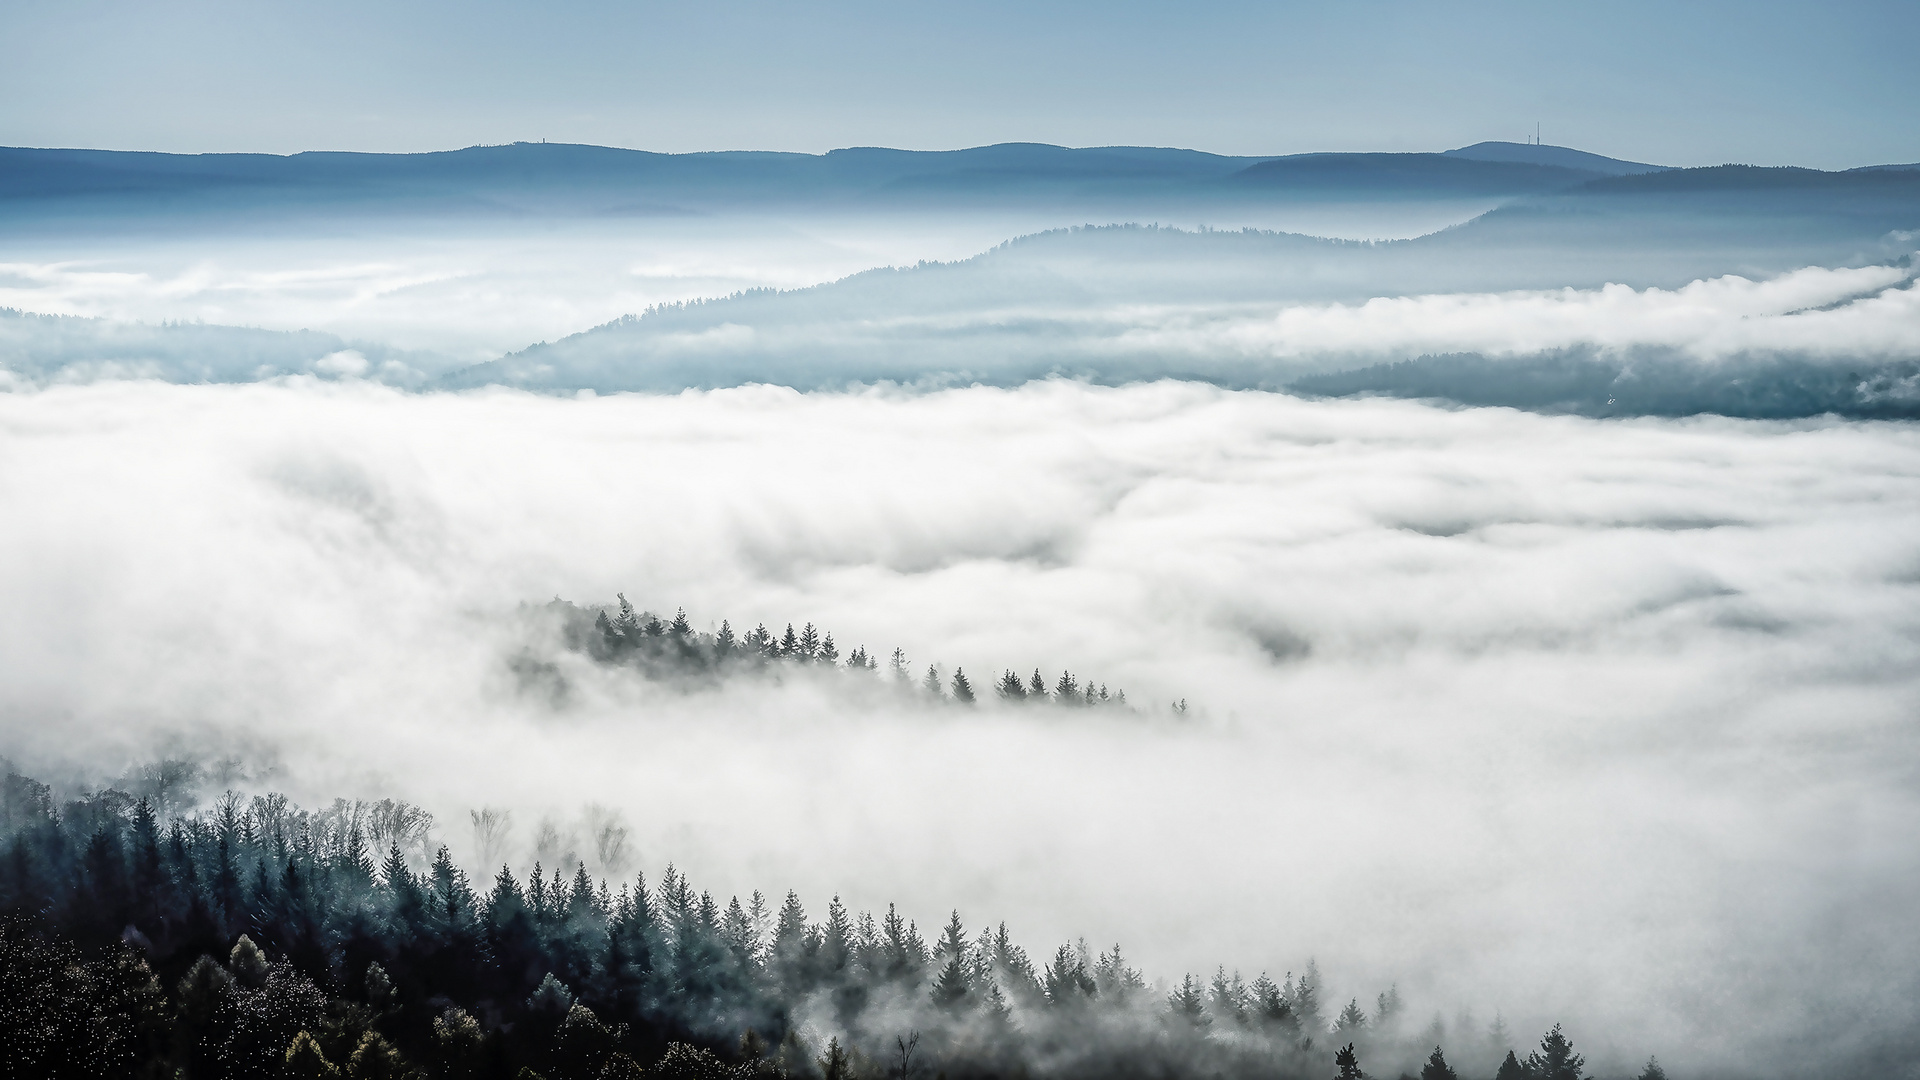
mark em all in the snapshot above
pixel 144 934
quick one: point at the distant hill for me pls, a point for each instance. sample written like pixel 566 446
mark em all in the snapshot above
pixel 46 189
pixel 1058 302
pixel 1557 156
pixel 1422 174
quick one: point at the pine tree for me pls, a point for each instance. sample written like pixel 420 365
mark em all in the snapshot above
pixel 834 1064
pixel 790 645
pixel 1189 1003
pixel 1653 1071
pixel 962 689
pixel 1067 981
pixel 1037 689
pixel 809 644
pixel 1386 1007
pixel 931 684
pixel 1511 1069
pixel 1306 999
pixel 1437 1068
pixel 680 628
pixel 1348 1064
pixel 1350 1022
pixel 954 987
pixel 1067 690
pixel 1228 997
pixel 723 642
pixel 1555 1060
pixel 897 665
pixel 626 625
pixel 1271 1007
pixel 829 652
pixel 1499 1036
pixel 1010 688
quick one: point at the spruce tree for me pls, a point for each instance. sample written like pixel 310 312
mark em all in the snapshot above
pixel 962 689
pixel 1348 1064
pixel 1653 1071
pixel 1511 1069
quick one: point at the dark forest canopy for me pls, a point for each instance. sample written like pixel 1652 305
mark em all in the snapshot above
pixel 257 939
pixel 672 651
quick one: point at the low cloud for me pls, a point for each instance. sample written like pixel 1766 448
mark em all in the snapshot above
pixel 1600 721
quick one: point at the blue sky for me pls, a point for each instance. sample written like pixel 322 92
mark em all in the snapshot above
pixel 1829 85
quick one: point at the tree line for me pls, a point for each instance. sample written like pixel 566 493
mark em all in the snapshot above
pixel 256 939
pixel 671 650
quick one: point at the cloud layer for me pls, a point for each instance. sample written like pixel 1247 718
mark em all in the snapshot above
pixel 1595 721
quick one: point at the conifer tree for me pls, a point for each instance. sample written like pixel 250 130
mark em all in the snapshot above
pixel 1010 688
pixel 626 625
pixel 962 689
pixel 1306 999
pixel 834 1064
pixel 1555 1060
pixel 1227 997
pixel 1437 1068
pixel 1037 688
pixel 1270 1005
pixel 1653 1071
pixel 1189 1003
pixel 1348 1064
pixel 829 652
pixel 931 684
pixel 1511 1069
pixel 1350 1022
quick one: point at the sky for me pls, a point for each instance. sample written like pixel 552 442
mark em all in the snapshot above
pixel 1827 85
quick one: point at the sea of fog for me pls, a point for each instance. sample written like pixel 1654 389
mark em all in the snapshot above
pixel 1608 722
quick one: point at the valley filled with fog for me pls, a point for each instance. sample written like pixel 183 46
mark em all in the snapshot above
pixel 1536 568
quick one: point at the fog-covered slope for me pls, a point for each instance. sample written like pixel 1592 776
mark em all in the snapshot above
pixel 1707 258
pixel 38 349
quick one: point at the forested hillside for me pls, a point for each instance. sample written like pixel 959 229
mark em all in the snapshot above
pixel 254 938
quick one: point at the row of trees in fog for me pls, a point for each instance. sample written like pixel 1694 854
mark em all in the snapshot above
pixel 258 939
pixel 672 650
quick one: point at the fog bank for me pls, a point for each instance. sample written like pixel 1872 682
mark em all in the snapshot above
pixel 1601 721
